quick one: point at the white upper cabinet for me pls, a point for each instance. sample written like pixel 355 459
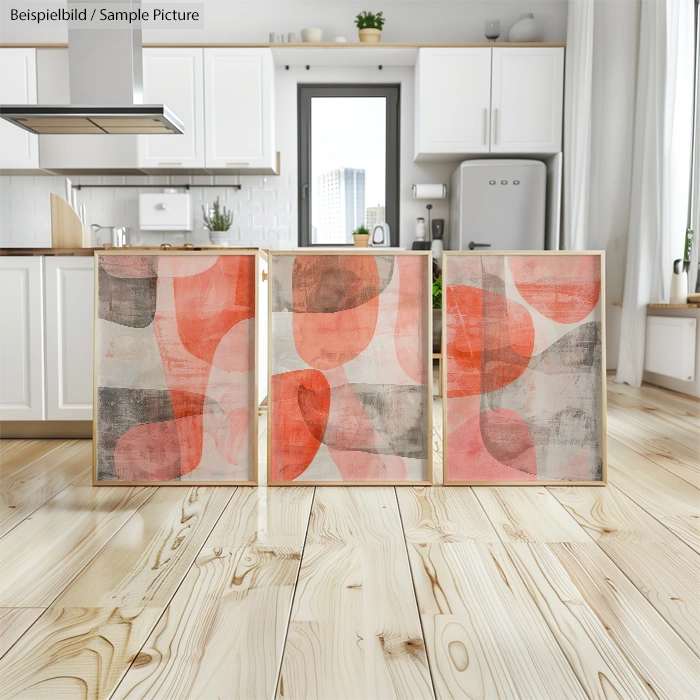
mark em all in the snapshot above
pixel 174 77
pixel 21 338
pixel 19 150
pixel 527 97
pixel 70 292
pixel 481 100
pixel 453 93
pixel 239 101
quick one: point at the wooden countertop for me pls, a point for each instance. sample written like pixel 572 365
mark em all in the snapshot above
pixel 91 251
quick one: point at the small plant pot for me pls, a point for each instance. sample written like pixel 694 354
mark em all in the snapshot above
pixel 219 238
pixel 370 36
pixel 360 240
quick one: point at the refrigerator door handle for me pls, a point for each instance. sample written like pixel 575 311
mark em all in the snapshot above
pixel 486 113
pixel 473 245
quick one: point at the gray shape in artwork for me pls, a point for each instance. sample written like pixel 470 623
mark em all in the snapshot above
pixel 128 301
pixel 560 398
pixel 400 414
pixel 281 280
pixel 385 265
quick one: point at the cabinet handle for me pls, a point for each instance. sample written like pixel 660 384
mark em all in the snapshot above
pixel 169 163
pixel 239 165
pixel 264 276
pixel 485 123
pixel 495 126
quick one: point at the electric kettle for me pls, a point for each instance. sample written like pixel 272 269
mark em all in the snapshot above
pixel 380 237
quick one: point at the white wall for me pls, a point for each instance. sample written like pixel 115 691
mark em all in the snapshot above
pixel 407 20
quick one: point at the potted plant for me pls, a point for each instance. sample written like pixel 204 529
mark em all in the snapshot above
pixel 370 26
pixel 360 237
pixel 217 221
pixel 437 309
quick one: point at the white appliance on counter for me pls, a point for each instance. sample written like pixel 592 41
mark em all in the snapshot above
pixel 498 205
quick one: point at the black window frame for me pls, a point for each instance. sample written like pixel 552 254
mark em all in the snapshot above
pixel 392 93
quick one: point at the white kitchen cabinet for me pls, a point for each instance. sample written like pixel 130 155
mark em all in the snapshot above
pixel 239 102
pixel 69 293
pixel 174 77
pixel 527 97
pixel 21 338
pixel 453 93
pixel 478 100
pixel 19 150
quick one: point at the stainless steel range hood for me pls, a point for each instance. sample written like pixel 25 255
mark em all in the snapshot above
pixel 106 88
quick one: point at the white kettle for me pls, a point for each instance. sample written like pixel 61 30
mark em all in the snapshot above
pixel 380 237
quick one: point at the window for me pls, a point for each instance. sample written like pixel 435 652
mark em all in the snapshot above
pixel 348 161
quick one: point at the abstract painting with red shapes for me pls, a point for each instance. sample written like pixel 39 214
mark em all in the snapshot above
pixel 524 368
pixel 175 368
pixel 350 365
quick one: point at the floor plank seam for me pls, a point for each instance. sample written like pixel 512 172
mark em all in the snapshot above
pixel 147 636
pixel 293 596
pixel 68 583
pixel 415 594
pixel 34 461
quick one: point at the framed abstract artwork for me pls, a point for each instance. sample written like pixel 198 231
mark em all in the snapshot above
pixel 175 367
pixel 524 374
pixel 350 391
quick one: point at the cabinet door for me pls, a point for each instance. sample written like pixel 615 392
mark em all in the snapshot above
pixel 21 338
pixel 70 292
pixel 19 150
pixel 453 92
pixel 239 104
pixel 174 77
pixel 526 100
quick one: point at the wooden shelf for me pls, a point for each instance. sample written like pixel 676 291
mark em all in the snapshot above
pixel 309 45
pixel 673 306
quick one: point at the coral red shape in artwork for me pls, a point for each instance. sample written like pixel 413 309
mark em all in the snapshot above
pixel 301 401
pixel 489 341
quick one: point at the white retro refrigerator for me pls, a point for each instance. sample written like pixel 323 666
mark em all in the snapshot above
pixel 498 205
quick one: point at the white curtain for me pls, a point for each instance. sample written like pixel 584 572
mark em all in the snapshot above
pixel 661 151
pixel 577 124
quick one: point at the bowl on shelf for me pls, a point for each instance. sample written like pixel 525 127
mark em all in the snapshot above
pixel 312 36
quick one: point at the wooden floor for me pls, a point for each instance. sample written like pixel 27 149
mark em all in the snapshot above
pixel 481 593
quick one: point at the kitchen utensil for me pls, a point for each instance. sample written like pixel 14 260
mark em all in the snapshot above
pixel 380 236
pixel 292 37
pixel 438 229
pixel 118 235
pixel 679 283
pixel 67 230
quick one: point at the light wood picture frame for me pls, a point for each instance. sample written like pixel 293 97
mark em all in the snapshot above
pixel 218 356
pixel 295 273
pixel 504 378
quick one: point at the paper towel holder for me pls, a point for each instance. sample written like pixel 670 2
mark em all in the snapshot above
pixel 429 191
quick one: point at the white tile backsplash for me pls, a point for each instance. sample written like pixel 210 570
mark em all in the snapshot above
pixel 260 216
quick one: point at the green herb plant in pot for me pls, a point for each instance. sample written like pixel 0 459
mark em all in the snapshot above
pixel 437 312
pixel 217 221
pixel 360 237
pixel 370 26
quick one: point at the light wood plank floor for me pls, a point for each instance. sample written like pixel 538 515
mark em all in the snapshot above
pixel 369 593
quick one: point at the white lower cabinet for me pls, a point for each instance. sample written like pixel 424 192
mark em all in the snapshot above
pixel 46 324
pixel 21 338
pixel 69 290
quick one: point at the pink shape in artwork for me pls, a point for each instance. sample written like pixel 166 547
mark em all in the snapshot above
pixel 410 321
pixel 470 459
pixel 236 350
pixel 563 288
pixel 148 452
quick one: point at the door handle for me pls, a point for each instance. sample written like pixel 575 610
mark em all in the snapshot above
pixel 473 245
pixel 305 190
pixel 495 126
pixel 486 112
pixel 237 165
